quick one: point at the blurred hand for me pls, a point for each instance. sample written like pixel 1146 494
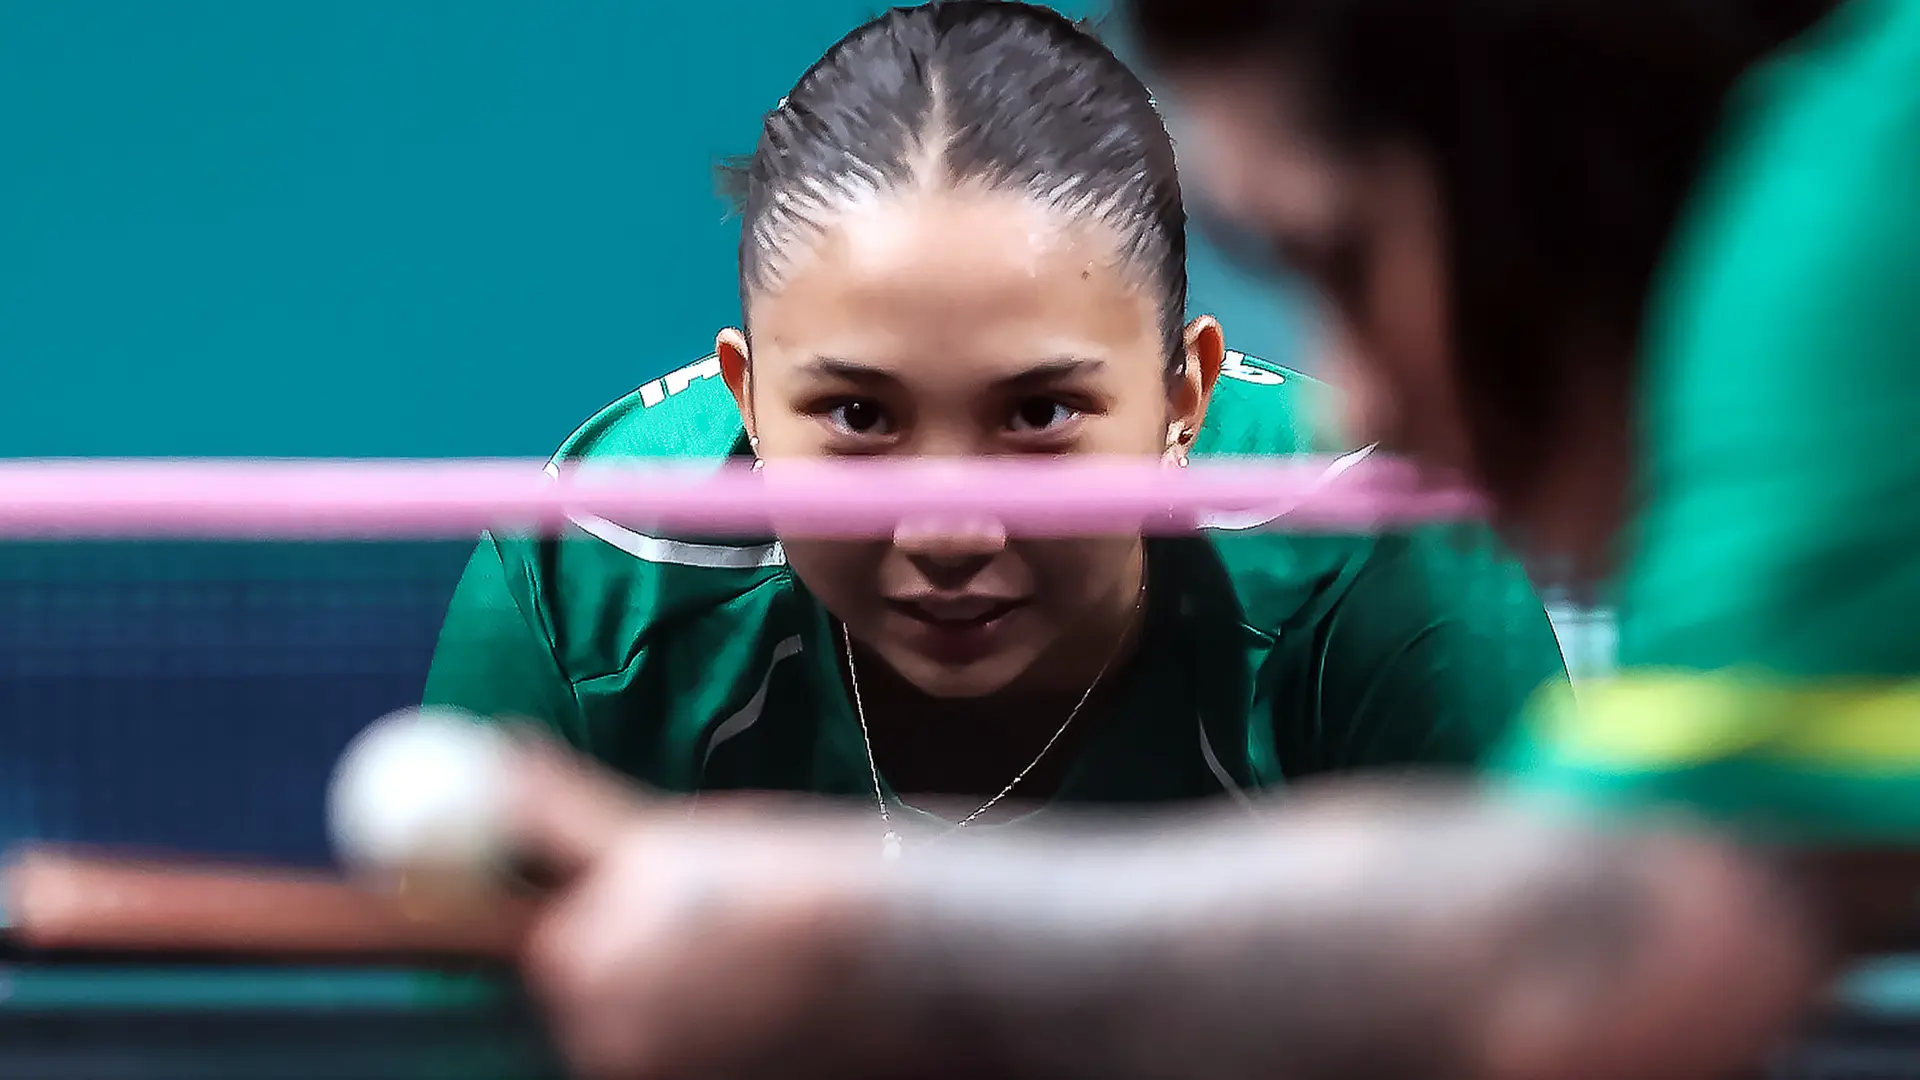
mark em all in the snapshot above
pixel 1363 932
pixel 713 947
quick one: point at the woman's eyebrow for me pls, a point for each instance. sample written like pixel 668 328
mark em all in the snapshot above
pixel 1048 370
pixel 836 367
pixel 1055 367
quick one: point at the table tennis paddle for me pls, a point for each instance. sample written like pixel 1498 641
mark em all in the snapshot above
pixel 70 901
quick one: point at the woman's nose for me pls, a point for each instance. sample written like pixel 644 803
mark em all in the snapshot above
pixel 950 542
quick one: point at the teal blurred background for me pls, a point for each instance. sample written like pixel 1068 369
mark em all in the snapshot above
pixel 381 227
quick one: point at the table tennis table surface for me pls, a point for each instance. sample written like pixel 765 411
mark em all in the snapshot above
pixel 99 1019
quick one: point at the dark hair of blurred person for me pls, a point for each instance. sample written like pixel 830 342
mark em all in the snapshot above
pixel 1480 194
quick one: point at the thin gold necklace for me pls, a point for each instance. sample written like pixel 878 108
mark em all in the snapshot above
pixel 890 841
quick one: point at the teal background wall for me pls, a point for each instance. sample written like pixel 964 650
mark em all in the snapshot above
pixel 379 227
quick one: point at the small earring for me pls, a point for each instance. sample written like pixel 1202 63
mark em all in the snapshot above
pixel 1177 439
pixel 754 442
pixel 758 465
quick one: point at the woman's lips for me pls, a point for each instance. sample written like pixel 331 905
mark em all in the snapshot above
pixel 956 630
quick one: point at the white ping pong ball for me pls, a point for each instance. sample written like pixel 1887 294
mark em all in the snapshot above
pixel 421 793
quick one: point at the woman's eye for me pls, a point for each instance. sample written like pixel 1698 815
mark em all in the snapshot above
pixel 859 418
pixel 1041 414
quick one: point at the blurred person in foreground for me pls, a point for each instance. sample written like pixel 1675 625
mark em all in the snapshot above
pixel 1658 301
pixel 1655 299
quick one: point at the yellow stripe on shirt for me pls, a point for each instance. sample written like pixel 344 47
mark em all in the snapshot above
pixel 1663 721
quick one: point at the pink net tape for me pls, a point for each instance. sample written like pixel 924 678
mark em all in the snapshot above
pixel 1032 497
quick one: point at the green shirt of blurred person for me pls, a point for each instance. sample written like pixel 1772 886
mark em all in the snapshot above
pixel 1769 650
pixel 1670 326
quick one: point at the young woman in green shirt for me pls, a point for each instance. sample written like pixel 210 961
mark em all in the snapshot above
pixel 963 235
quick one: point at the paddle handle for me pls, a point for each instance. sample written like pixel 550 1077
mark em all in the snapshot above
pixel 69 901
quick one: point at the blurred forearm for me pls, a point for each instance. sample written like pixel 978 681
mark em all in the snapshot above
pixel 1351 935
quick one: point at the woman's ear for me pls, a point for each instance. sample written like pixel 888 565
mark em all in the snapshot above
pixel 736 370
pixel 1204 350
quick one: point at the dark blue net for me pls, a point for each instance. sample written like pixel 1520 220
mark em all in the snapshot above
pixel 195 695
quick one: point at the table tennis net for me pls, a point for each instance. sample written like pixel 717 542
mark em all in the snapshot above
pixel 194 694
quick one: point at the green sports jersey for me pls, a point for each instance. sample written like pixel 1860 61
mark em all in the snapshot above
pixel 1769 629
pixel 696 665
